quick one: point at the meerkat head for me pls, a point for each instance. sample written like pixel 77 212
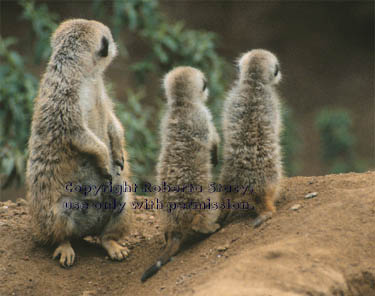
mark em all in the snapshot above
pixel 261 65
pixel 184 84
pixel 86 42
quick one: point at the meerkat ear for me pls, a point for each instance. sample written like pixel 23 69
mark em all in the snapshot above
pixel 277 69
pixel 204 84
pixel 103 52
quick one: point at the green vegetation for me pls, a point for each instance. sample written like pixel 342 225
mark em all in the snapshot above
pixel 168 45
pixel 17 91
pixel 43 24
pixel 337 141
pixel 291 142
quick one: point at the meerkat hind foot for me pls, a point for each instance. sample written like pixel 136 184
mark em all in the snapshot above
pixel 66 254
pixel 206 228
pixel 260 219
pixel 115 250
pixel 225 217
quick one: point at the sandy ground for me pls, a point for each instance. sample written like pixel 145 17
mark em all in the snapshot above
pixel 324 247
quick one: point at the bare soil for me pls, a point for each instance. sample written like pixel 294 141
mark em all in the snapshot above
pixel 325 247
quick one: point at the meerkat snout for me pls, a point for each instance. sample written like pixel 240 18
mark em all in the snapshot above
pixel 260 65
pixel 185 84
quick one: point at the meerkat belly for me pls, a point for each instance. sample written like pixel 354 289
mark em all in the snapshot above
pixel 91 201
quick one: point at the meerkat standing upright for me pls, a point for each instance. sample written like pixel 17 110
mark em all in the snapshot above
pixel 187 139
pixel 76 139
pixel 251 127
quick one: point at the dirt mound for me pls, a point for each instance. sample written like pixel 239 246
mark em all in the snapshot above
pixel 325 245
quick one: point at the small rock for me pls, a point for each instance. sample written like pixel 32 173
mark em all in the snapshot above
pixel 9 204
pixel 222 248
pixel 295 207
pixel 311 195
pixel 89 293
pixel 180 280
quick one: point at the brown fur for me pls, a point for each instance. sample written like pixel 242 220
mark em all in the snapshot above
pixel 251 127
pixel 187 136
pixel 76 137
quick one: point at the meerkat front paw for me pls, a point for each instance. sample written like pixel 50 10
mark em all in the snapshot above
pixel 105 171
pixel 115 250
pixel 66 254
pixel 120 162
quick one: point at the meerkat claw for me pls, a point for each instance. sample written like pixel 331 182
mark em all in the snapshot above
pixel 115 250
pixel 120 164
pixel 66 254
pixel 108 177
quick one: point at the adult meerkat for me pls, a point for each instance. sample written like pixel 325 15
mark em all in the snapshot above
pixel 187 139
pixel 76 139
pixel 251 128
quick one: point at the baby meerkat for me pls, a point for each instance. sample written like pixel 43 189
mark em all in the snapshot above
pixel 251 128
pixel 187 139
pixel 76 140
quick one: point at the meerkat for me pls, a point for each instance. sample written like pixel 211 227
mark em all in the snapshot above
pixel 76 139
pixel 188 137
pixel 251 128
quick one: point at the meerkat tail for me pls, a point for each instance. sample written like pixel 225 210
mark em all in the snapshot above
pixel 173 246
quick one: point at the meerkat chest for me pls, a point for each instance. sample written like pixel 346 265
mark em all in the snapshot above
pixel 91 99
pixel 93 108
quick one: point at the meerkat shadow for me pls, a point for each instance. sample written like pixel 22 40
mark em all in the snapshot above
pixel 82 247
pixel 88 248
pixel 194 240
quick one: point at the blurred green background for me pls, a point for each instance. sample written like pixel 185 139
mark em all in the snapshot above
pixel 326 50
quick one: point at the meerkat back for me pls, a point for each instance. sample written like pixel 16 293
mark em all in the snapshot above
pixel 188 136
pixel 251 127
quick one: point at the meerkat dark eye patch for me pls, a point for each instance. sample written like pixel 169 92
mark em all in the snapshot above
pixel 277 69
pixel 204 84
pixel 103 52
